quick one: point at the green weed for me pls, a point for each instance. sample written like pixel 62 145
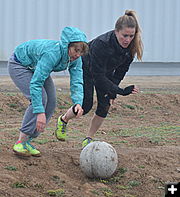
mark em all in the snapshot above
pixel 95 192
pixel 103 191
pixel 141 167
pixel 57 192
pixel 128 106
pixel 107 192
pixel 42 141
pixel 141 116
pixel 122 170
pixel 120 142
pixel 122 187
pixel 11 168
pixel 116 178
pixel 10 94
pixel 129 195
pixel 134 183
pixel 12 105
pixel 19 185
pixel 57 180
pixel 39 186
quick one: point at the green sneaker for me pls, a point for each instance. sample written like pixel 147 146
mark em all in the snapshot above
pixel 86 141
pixel 32 150
pixel 20 149
pixel 61 131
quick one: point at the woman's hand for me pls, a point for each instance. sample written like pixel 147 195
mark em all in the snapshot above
pixel 79 110
pixel 135 90
pixel 41 122
pixel 132 89
pixel 112 101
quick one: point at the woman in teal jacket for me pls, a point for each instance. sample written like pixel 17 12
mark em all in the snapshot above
pixel 30 67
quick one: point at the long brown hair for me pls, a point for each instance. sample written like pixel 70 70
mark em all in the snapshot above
pixel 129 19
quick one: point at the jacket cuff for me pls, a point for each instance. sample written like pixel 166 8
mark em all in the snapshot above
pixel 38 109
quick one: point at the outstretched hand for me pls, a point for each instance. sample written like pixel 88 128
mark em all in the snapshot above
pixel 112 101
pixel 78 109
pixel 132 89
pixel 135 90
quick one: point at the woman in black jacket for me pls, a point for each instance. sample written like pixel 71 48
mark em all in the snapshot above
pixel 106 64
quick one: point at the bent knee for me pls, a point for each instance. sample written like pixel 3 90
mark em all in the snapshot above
pixel 86 108
pixel 102 111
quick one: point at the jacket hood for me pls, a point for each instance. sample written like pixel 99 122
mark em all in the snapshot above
pixel 72 34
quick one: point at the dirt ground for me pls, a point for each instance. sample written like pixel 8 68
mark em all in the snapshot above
pixel 144 129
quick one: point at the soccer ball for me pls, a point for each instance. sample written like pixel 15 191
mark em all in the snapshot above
pixel 98 160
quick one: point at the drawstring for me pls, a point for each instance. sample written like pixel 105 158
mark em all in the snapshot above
pixel 68 62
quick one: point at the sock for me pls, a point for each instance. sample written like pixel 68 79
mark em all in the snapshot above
pixel 63 120
pixel 73 109
pixel 19 141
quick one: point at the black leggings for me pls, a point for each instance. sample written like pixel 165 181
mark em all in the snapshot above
pixel 103 102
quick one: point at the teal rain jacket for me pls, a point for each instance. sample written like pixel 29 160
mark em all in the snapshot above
pixel 44 56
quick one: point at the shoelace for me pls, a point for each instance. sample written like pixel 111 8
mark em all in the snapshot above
pixel 64 127
pixel 28 142
pixel 63 124
pixel 24 145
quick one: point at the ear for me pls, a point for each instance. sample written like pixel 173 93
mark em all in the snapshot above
pixel 116 32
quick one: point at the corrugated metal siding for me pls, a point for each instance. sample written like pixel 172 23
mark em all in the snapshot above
pixel 22 20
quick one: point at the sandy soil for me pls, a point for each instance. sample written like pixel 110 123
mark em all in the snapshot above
pixel 144 129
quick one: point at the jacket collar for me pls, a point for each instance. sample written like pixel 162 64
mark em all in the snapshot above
pixel 117 46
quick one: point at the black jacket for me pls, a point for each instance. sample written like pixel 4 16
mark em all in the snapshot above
pixel 107 62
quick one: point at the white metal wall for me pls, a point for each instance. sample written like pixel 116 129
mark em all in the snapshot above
pixel 22 20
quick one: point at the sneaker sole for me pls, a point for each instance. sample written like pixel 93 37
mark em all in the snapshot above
pixel 36 155
pixel 22 154
pixel 60 139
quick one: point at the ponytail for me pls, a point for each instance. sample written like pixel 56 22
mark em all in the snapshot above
pixel 129 19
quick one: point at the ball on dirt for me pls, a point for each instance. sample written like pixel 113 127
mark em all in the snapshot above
pixel 98 160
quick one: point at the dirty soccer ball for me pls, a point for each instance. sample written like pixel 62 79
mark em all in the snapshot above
pixel 98 160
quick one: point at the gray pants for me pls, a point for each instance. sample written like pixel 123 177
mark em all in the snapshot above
pixel 21 76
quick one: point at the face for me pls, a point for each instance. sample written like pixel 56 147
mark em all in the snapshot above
pixel 75 52
pixel 125 36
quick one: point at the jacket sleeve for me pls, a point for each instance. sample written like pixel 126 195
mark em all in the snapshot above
pixel 99 59
pixel 120 72
pixel 76 81
pixel 42 72
pixel 118 76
